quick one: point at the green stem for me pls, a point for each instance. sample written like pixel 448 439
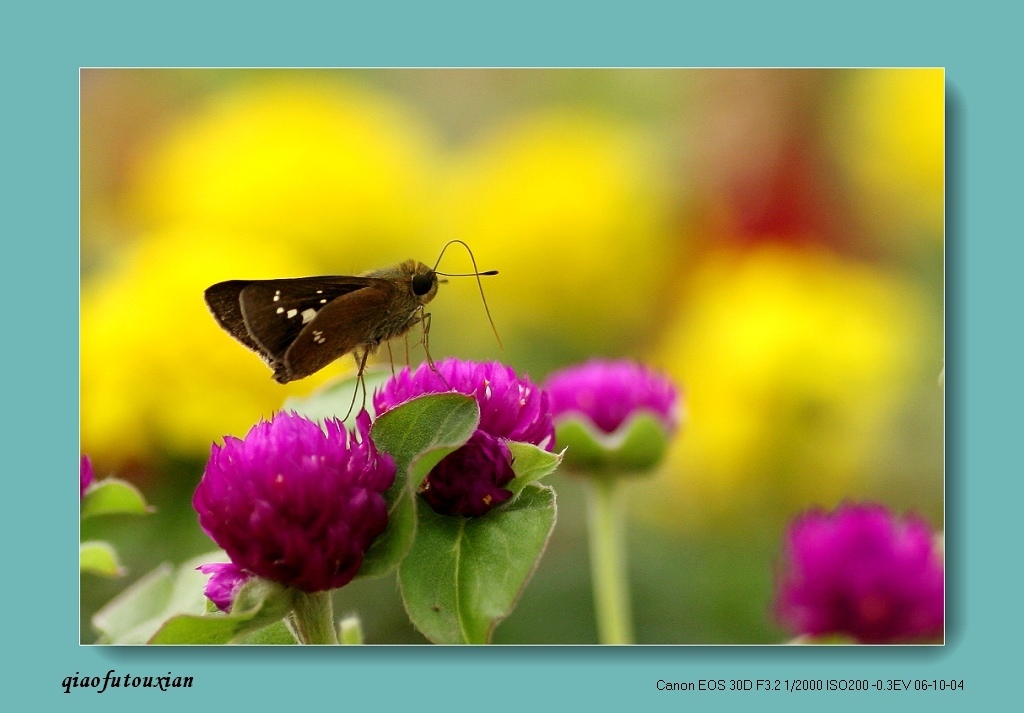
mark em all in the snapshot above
pixel 314 618
pixel 608 561
pixel 350 630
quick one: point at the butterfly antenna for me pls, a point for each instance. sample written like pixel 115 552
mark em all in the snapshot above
pixel 476 273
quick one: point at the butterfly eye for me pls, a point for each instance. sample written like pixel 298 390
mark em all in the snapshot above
pixel 423 283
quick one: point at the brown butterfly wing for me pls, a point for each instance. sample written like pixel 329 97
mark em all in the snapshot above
pixel 342 325
pixel 224 302
pixel 275 312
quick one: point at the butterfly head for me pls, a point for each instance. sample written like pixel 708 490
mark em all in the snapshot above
pixel 422 281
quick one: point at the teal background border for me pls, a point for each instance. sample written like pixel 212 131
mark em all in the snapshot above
pixel 43 50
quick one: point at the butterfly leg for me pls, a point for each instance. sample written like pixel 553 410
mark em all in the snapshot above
pixel 360 382
pixel 425 341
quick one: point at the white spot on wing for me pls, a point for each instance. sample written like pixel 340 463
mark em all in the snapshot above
pixel 292 313
pixel 308 314
pixel 280 310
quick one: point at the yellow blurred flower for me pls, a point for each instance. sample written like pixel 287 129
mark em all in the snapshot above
pixel 157 373
pixel 889 126
pixel 325 169
pixel 794 364
pixel 283 175
pixel 574 209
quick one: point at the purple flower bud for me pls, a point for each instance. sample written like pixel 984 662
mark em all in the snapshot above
pixel 85 477
pixel 608 393
pixel 469 481
pixel 861 572
pixel 227 578
pixel 296 503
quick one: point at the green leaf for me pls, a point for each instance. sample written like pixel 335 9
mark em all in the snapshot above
pixel 530 464
pixel 276 634
pixel 464 575
pixel 335 399
pixel 426 426
pixel 132 608
pixel 637 446
pixel 194 629
pixel 417 435
pixel 137 613
pixel 99 558
pixel 112 496
pixel 259 604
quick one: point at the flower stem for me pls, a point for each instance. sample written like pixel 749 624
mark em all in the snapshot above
pixel 350 630
pixel 608 561
pixel 314 618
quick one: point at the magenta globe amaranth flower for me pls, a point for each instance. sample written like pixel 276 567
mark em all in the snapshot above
pixel 613 415
pixel 296 503
pixel 608 393
pixel 226 579
pixel 512 408
pixel 469 482
pixel 85 476
pixel 863 573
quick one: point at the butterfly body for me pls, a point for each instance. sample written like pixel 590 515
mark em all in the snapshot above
pixel 300 325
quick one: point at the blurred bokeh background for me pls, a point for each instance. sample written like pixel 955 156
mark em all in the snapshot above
pixel 772 239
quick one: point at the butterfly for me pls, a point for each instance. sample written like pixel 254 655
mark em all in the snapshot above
pixel 300 325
